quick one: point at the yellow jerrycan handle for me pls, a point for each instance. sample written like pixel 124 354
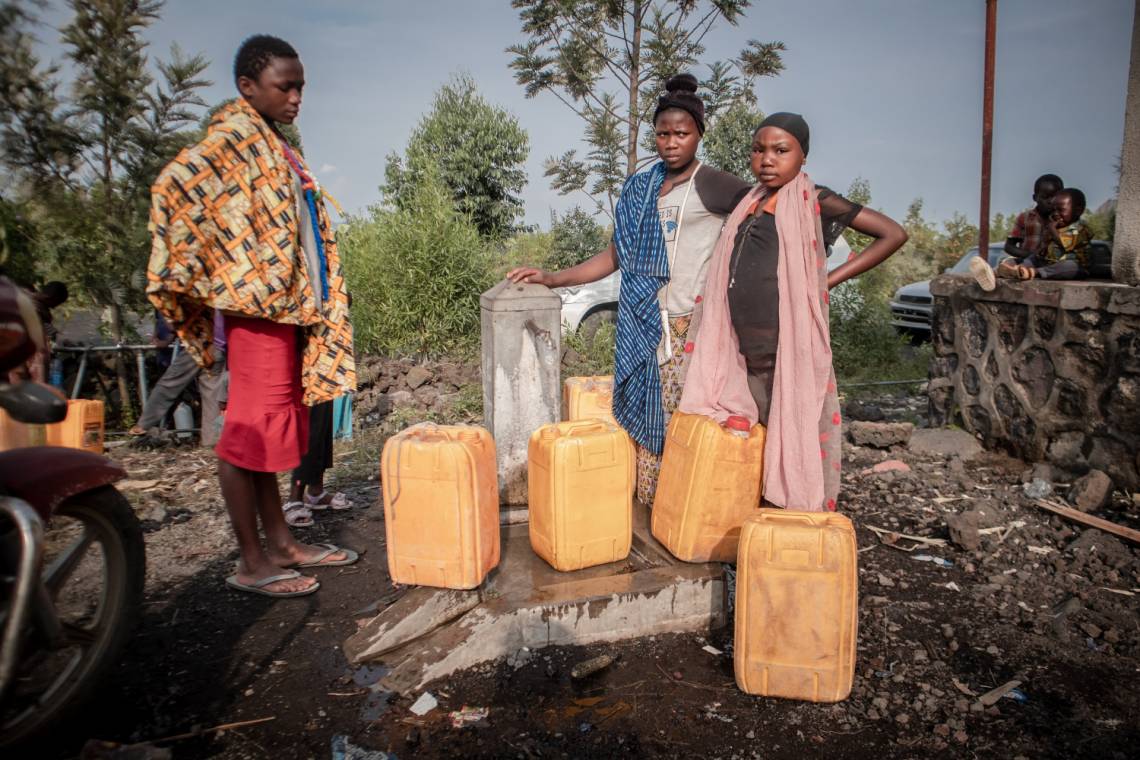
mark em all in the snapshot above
pixel 587 426
pixel 802 517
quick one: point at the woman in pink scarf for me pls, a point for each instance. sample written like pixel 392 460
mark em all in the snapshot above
pixel 763 347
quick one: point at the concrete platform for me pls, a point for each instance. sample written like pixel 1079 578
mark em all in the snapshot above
pixel 430 633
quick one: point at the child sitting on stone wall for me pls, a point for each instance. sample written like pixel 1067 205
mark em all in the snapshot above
pixel 1065 248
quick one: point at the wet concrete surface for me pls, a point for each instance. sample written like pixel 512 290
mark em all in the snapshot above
pixel 525 603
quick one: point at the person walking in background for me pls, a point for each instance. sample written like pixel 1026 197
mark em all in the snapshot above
pixel 48 296
pixel 179 374
pixel 163 341
pixel 307 492
pixel 762 347
pixel 282 294
pixel 665 228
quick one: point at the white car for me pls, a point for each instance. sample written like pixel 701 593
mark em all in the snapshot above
pixel 588 306
pixel 591 304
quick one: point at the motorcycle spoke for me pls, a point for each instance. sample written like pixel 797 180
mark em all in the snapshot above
pixel 63 565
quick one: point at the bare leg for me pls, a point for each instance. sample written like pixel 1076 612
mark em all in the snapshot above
pixel 283 548
pixel 239 488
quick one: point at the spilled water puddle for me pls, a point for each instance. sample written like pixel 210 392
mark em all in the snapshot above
pixel 368 676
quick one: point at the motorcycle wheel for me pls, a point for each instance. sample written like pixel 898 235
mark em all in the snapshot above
pixel 94 571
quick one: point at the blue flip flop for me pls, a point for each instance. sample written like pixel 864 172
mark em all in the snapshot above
pixel 258 587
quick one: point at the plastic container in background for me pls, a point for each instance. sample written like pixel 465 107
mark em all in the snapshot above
pixel 81 429
pixel 342 417
pixel 580 479
pixel 796 605
pixel 709 484
pixel 588 398
pixel 441 505
pixel 18 435
pixel 184 421
pixel 55 372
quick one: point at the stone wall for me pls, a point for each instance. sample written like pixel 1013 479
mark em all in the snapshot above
pixel 1049 371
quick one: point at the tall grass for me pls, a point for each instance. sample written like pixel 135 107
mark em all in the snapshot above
pixel 416 275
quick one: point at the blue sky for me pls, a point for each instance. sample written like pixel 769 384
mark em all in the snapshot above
pixel 892 89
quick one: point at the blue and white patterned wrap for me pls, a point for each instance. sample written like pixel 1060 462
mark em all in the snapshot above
pixel 644 266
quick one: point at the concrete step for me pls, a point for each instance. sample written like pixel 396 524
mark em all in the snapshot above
pixel 430 633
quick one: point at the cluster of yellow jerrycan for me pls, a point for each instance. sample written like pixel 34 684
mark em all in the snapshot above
pixel 795 627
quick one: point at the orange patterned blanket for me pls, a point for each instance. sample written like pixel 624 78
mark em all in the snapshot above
pixel 224 221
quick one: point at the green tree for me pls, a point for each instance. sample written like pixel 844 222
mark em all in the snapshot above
pixel 727 144
pixel 606 60
pixel 576 237
pixel 1000 226
pixel 478 150
pixel 1102 223
pixel 958 236
pixel 82 167
pixel 17 256
pixel 416 273
pixel 858 192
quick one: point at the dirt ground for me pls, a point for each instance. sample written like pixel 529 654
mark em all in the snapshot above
pixel 1040 601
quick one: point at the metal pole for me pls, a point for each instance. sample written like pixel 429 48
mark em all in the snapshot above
pixel 79 375
pixel 987 130
pixel 140 362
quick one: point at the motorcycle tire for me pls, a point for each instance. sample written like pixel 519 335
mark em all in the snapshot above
pixel 110 521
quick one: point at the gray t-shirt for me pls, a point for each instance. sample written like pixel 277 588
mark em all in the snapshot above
pixel 692 215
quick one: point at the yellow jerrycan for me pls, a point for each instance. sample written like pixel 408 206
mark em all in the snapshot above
pixel 580 482
pixel 81 429
pixel 796 605
pixel 441 505
pixel 13 435
pixel 588 398
pixel 709 483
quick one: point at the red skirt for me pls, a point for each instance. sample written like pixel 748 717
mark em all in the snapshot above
pixel 266 426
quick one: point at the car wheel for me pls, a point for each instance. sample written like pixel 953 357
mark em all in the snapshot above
pixel 589 327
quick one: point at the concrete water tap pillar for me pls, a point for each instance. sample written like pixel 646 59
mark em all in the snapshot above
pixel 1126 239
pixel 522 348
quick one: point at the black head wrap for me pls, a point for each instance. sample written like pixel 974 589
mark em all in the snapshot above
pixel 793 124
pixel 681 92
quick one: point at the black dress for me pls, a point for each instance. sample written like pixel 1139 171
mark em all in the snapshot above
pixel 754 294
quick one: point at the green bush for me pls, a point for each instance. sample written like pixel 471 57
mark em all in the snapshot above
pixel 416 275
pixel 524 249
pixel 864 345
pixel 590 355
pixel 575 237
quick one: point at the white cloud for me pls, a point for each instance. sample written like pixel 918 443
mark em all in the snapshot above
pixel 327 169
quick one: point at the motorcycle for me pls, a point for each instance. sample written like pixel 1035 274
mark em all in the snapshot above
pixel 72 560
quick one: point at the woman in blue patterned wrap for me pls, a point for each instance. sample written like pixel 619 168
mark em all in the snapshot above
pixel 666 225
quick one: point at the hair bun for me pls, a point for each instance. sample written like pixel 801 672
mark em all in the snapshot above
pixel 681 83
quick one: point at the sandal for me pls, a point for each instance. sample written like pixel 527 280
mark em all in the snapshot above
pixel 297 515
pixel 336 501
pixel 258 587
pixel 321 560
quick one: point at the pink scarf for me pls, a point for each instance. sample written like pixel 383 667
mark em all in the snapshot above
pixel 716 383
